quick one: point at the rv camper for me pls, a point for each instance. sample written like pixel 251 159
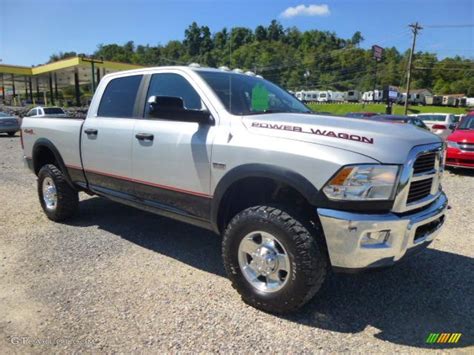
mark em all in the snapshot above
pixel 449 100
pixel 353 96
pixel 434 100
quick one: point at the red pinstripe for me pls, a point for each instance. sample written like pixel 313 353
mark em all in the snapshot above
pixel 171 188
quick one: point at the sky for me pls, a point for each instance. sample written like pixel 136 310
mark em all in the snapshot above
pixel 30 31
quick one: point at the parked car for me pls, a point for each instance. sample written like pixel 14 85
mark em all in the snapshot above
pixel 413 120
pixel 292 193
pixel 360 114
pixel 460 143
pixel 9 124
pixel 441 124
pixel 46 111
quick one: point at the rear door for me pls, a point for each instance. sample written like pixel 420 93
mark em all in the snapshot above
pixel 172 167
pixel 107 138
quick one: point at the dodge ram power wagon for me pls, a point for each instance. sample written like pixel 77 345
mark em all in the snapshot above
pixel 293 194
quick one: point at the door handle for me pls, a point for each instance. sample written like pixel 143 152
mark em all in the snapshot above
pixel 144 136
pixel 89 131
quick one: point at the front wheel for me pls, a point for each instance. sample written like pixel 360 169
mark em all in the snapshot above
pixel 274 258
pixel 58 200
pixel 11 134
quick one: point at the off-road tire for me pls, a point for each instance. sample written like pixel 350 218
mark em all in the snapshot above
pixel 67 197
pixel 304 243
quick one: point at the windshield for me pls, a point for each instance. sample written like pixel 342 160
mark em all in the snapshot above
pixel 249 95
pixel 467 123
pixel 437 118
pixel 53 111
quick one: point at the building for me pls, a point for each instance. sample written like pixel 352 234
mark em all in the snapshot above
pixel 43 84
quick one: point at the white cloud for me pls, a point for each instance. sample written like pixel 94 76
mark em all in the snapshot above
pixel 309 10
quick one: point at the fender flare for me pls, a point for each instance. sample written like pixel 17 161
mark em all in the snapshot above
pixel 287 176
pixel 43 142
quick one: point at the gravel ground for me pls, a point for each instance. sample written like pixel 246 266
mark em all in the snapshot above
pixel 116 279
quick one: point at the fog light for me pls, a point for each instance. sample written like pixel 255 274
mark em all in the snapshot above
pixel 374 238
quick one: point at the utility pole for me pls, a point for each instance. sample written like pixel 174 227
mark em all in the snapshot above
pixel 414 28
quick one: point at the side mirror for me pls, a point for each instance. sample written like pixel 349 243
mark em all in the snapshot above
pixel 172 108
pixel 165 103
pixel 453 126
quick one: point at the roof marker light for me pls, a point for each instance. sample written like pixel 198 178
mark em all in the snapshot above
pixel 224 68
pixel 250 73
pixel 195 65
pixel 237 70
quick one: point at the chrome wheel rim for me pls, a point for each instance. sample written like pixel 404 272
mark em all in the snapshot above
pixel 50 196
pixel 264 261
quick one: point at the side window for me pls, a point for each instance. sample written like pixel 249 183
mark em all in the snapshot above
pixel 34 112
pixel 118 99
pixel 174 85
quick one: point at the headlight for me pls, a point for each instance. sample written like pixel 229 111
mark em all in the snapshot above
pixel 452 144
pixel 363 182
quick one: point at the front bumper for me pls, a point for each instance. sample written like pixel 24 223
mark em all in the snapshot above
pixel 9 129
pixel 458 158
pixel 347 235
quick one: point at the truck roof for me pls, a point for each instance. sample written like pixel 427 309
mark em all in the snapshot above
pixel 173 67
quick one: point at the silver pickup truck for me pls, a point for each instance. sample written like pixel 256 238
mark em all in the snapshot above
pixel 294 194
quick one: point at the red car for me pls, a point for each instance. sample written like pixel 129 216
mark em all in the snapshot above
pixel 461 144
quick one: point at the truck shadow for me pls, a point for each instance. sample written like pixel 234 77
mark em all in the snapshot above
pixel 430 293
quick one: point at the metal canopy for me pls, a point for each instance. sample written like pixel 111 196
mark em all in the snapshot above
pixel 29 82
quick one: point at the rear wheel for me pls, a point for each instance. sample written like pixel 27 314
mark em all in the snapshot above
pixel 58 200
pixel 11 134
pixel 274 258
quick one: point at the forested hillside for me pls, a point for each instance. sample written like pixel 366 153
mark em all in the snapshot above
pixel 285 55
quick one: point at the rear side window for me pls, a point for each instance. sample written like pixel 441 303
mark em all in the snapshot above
pixel 119 97
pixel 53 111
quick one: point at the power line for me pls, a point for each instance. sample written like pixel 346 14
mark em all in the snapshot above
pixel 429 68
pixel 450 25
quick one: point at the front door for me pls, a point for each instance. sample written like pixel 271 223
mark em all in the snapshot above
pixel 171 158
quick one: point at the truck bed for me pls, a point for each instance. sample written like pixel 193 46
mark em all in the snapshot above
pixel 63 133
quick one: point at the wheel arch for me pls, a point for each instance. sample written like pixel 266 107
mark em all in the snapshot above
pixel 275 173
pixel 45 152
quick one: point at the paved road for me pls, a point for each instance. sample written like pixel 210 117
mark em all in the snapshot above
pixel 118 279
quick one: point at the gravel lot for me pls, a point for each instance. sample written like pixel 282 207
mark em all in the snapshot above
pixel 116 279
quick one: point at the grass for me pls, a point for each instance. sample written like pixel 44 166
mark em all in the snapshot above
pixel 343 108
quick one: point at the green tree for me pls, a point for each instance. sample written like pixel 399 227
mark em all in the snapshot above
pixel 357 38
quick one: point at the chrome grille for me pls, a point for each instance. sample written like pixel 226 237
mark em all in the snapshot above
pixel 419 190
pixel 419 182
pixel 467 147
pixel 424 163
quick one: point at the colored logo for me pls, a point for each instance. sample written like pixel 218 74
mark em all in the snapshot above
pixel 443 338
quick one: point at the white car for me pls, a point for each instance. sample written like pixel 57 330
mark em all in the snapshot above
pixel 441 124
pixel 46 111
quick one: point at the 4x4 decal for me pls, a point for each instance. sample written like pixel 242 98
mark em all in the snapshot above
pixel 317 131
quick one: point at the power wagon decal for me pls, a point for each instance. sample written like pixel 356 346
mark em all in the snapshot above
pixel 317 131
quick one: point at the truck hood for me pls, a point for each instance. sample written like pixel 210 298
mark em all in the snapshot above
pixel 462 136
pixel 382 141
